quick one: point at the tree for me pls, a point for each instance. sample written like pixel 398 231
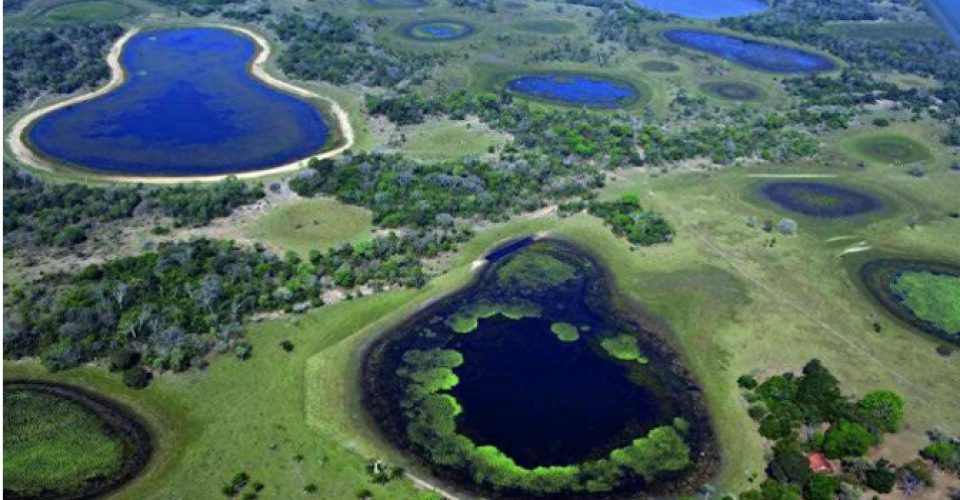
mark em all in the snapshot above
pixel 789 464
pixel 880 479
pixel 882 408
pixel 821 487
pixel 818 392
pixel 847 439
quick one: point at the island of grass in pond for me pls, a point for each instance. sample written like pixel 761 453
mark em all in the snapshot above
pixel 732 90
pixel 437 30
pixel 818 199
pixel 923 294
pixel 61 442
pixel 189 106
pixel 705 9
pixel 753 54
pixel 891 148
pixel 574 89
pixel 528 383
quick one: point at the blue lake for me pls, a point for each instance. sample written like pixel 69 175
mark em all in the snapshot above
pixel 189 106
pixel 573 89
pixel 705 9
pixel 947 13
pixel 751 53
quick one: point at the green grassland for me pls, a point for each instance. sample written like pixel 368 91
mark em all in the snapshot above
pixel 934 298
pixel 311 224
pixel 52 443
pixel 445 139
pixel 92 11
pixel 899 144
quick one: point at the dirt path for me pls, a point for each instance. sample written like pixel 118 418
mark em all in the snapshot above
pixel 117 76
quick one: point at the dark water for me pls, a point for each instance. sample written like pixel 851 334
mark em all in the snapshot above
pixel 188 107
pixel 817 199
pixel 537 399
pixel 947 13
pixel 546 402
pixel 751 53
pixel 705 9
pixel 573 89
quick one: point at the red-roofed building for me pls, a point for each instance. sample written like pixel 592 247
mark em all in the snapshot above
pixel 819 463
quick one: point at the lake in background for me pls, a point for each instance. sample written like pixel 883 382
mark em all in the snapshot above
pixel 189 106
pixel 751 53
pixel 705 9
pixel 947 13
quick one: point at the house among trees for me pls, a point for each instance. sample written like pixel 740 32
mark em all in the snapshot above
pixel 819 463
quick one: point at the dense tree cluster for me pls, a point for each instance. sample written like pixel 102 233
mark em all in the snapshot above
pixel 172 306
pixel 335 49
pixel 613 140
pixel 432 412
pixel 58 60
pixel 627 26
pixel 627 218
pixel 793 411
pixel 62 214
pixel 402 192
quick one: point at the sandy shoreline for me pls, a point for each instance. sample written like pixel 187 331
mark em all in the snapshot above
pixel 23 153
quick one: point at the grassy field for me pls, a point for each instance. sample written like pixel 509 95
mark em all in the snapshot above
pixel 92 11
pixel 311 224
pixel 444 140
pixel 52 443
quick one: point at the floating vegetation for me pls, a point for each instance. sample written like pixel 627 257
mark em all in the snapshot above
pixel 624 347
pixel 60 441
pixel 534 401
pixel 565 332
pixel 923 294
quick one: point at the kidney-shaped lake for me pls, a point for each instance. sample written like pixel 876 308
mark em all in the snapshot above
pixel 189 106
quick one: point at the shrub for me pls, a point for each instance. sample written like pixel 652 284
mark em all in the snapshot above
pixel 747 382
pixel 821 487
pixel 136 377
pixel 847 439
pixel 883 409
pixel 880 479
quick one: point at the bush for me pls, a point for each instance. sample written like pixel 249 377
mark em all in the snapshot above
pixel 136 377
pixel 883 409
pixel 880 479
pixel 747 382
pixel 847 439
pixel 821 487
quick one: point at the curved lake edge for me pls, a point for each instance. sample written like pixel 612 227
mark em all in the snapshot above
pixel 876 277
pixel 342 136
pixel 136 435
pixel 837 63
pixel 655 340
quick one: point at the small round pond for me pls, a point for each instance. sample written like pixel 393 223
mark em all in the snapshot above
pixel 62 442
pixel 575 90
pixel 705 9
pixel 923 294
pixel 891 148
pixel 818 199
pixel 189 106
pixel 753 54
pixel 528 383
pixel 436 30
pixel 733 90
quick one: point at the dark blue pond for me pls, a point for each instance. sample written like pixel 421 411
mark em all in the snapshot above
pixel 817 199
pixel 947 13
pixel 188 107
pixel 538 399
pixel 573 89
pixel 751 53
pixel 705 9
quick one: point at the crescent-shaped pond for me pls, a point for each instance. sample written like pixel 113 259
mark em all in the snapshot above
pixel 529 383
pixel 189 106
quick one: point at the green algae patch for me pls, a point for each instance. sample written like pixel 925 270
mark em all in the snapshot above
pixel 565 332
pixel 932 297
pixel 468 320
pixel 532 271
pixel 623 347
